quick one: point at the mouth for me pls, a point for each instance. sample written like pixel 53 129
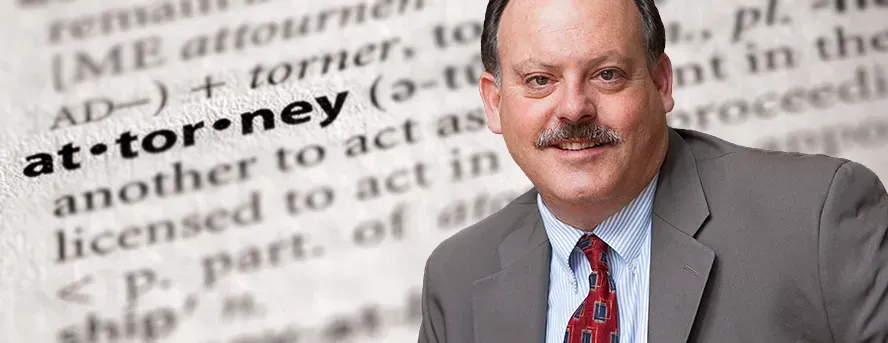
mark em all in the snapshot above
pixel 576 145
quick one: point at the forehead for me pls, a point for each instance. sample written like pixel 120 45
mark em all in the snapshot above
pixel 554 29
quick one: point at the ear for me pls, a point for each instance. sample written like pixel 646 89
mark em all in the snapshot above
pixel 662 75
pixel 490 95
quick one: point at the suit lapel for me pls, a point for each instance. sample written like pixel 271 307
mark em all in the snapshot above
pixel 510 305
pixel 680 265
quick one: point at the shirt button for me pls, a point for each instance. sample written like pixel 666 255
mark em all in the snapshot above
pixel 634 265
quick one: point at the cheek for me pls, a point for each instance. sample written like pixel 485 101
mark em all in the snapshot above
pixel 625 114
pixel 524 118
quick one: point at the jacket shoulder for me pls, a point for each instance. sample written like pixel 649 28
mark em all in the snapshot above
pixel 710 150
pixel 769 185
pixel 473 251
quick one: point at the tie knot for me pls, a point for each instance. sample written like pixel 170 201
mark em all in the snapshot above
pixel 596 251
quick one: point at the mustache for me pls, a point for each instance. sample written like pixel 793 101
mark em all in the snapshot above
pixel 583 130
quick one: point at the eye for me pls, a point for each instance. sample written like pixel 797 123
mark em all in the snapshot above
pixel 609 74
pixel 539 80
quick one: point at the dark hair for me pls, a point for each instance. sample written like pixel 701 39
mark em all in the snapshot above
pixel 652 25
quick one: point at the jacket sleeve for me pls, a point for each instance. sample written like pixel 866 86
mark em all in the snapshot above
pixel 853 256
pixel 431 329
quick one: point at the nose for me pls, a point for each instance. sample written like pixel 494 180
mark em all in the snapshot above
pixel 576 103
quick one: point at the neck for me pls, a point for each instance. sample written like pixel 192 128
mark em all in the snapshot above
pixel 586 216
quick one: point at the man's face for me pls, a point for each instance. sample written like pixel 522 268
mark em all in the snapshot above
pixel 578 64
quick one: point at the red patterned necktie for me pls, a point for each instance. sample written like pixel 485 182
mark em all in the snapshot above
pixel 595 320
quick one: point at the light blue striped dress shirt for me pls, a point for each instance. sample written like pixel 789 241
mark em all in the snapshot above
pixel 628 234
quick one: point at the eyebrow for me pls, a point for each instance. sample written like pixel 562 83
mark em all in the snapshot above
pixel 532 62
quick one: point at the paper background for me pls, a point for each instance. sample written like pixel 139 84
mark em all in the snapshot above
pixel 360 275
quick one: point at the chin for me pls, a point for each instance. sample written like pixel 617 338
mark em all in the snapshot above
pixel 581 189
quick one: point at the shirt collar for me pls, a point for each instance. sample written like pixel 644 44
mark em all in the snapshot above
pixel 623 231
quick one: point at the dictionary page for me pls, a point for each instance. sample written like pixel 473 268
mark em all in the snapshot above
pixel 279 171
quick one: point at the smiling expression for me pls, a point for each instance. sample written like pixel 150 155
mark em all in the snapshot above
pixel 580 110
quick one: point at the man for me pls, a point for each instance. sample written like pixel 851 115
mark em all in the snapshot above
pixel 638 232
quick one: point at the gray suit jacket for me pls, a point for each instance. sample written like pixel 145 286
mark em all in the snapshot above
pixel 747 246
